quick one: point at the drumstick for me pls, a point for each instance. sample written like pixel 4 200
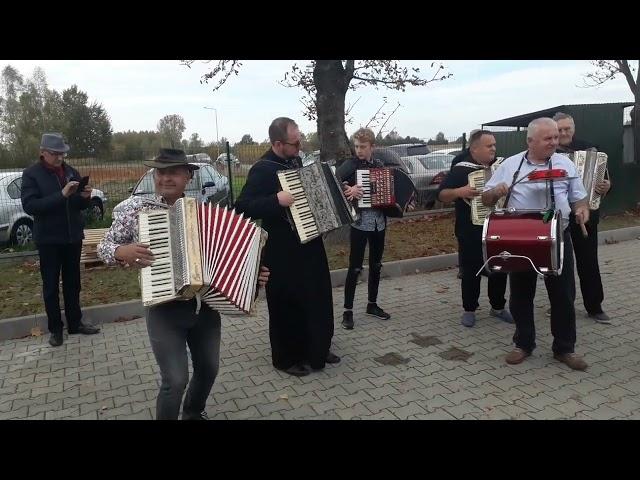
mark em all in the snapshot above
pixel 585 234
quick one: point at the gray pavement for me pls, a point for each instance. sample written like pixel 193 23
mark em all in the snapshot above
pixel 422 364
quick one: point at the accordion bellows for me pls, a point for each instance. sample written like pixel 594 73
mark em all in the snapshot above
pixel 591 167
pixel 201 249
pixel 320 205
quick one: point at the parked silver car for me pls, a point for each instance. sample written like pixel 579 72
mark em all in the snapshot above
pixel 427 172
pixel 16 226
pixel 222 159
pixel 207 185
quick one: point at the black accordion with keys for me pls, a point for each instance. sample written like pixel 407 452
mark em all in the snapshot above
pixel 320 205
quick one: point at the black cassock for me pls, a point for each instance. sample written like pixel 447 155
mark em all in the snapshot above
pixel 299 292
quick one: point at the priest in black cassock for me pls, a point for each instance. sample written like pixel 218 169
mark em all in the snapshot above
pixel 299 293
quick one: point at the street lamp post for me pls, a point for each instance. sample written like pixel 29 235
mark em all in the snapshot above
pixel 217 139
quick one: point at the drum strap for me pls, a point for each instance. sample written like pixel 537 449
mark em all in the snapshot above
pixel 549 185
pixel 552 208
pixel 513 181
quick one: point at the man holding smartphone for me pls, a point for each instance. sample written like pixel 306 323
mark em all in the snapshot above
pixel 51 194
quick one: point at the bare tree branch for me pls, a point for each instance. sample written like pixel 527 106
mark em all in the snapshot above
pixel 388 118
pixel 224 68
pixel 623 67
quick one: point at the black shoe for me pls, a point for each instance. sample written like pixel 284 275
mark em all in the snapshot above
pixel 332 358
pixel 195 416
pixel 55 340
pixel 85 330
pixel 347 320
pixel 375 311
pixel 296 370
pixel 600 318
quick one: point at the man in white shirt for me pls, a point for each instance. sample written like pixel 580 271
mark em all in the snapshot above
pixel 569 196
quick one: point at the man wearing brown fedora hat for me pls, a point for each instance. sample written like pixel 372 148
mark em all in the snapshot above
pixel 50 194
pixel 173 325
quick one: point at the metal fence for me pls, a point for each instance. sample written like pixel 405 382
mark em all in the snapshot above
pixel 220 179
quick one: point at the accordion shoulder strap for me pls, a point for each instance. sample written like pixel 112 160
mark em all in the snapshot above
pixel 468 165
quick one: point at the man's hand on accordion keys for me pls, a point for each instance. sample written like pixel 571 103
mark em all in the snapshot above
pixel 135 254
pixel 263 276
pixel 603 187
pixel 285 199
pixel 353 193
pixel 468 192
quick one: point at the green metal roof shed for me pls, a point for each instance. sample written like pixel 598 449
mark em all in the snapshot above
pixel 601 124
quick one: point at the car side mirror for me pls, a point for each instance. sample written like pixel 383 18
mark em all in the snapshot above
pixel 207 185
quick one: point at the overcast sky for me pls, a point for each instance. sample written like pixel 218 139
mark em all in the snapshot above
pixel 137 93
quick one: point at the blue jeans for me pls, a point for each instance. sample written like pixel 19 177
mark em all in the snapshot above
pixel 171 327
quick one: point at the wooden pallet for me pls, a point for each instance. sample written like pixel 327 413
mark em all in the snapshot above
pixel 89 254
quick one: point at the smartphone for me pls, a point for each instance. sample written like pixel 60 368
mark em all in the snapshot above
pixel 84 181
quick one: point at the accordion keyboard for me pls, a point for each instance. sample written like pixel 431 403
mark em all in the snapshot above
pixel 300 210
pixel 157 280
pixel 364 179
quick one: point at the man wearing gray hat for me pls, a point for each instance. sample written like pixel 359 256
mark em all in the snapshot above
pixel 172 325
pixel 50 194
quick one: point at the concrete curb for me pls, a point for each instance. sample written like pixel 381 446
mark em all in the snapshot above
pixel 19 327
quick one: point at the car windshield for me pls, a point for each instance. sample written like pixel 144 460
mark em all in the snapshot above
pixel 434 163
pixel 146 185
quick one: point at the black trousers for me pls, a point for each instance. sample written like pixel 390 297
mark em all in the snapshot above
pixel 470 258
pixel 560 290
pixel 171 327
pixel 359 241
pixel 53 259
pixel 586 251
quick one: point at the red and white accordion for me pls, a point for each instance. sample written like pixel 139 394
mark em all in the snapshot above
pixel 201 250
pixel 389 189
pixel 378 187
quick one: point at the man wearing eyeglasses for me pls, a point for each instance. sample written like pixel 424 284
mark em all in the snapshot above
pixel 585 248
pixel 299 293
pixel 50 194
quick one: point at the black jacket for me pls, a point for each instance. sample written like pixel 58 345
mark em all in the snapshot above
pixel 284 255
pixel 57 220
pixel 576 145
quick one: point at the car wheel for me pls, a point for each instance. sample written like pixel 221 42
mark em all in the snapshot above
pixel 22 232
pixel 96 210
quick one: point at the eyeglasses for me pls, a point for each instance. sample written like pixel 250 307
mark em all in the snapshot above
pixel 56 154
pixel 297 144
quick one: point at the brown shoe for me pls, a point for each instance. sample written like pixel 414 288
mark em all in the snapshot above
pixel 516 356
pixel 573 360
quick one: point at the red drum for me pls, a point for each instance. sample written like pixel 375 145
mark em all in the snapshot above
pixel 519 241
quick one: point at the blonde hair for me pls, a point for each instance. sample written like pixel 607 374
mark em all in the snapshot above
pixel 365 135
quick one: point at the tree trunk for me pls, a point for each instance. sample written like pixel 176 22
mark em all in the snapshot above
pixel 331 84
pixel 635 122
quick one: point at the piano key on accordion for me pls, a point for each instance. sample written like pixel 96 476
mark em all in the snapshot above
pixel 319 203
pixel 378 187
pixel 201 250
pixel 177 269
pixel 591 167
